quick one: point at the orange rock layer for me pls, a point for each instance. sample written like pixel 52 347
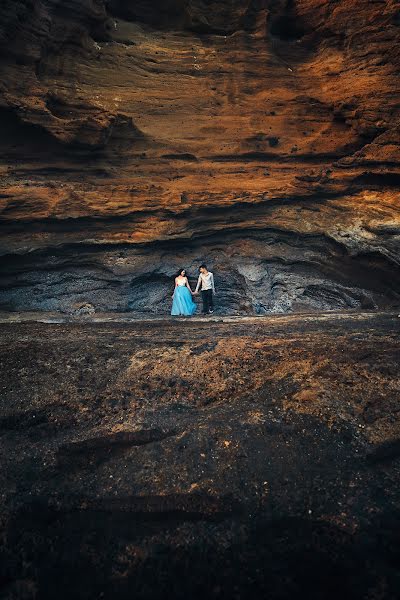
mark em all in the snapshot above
pixel 260 136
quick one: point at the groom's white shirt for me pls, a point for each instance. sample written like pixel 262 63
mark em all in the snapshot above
pixel 206 282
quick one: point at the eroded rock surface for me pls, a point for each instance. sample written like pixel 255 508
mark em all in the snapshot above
pixel 260 136
pixel 260 461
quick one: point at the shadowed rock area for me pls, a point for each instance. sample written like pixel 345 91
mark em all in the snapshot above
pixel 260 136
pixel 260 462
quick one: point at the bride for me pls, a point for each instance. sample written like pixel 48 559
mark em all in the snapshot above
pixel 182 297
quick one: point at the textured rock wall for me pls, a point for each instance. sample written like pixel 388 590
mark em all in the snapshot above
pixel 259 136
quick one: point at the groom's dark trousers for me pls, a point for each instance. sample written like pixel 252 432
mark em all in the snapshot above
pixel 207 297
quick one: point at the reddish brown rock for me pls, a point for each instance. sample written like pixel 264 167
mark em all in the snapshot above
pixel 259 136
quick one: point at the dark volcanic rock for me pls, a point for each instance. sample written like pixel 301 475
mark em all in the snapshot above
pixel 272 272
pixel 264 463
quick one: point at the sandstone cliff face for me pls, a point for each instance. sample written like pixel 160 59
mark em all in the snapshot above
pixel 259 136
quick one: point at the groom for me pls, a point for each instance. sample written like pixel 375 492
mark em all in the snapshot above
pixel 206 281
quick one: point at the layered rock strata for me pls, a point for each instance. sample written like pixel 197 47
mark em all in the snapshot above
pixel 258 136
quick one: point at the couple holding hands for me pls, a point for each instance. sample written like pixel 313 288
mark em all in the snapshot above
pixel 182 297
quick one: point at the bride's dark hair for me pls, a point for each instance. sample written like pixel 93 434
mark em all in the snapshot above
pixel 180 271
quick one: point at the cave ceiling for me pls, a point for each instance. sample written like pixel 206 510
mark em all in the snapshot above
pixel 261 136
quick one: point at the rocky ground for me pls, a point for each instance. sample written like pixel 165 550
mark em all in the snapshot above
pixel 231 458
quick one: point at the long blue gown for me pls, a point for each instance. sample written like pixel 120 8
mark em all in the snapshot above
pixel 182 302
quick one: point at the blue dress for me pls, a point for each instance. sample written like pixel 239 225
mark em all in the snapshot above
pixel 182 302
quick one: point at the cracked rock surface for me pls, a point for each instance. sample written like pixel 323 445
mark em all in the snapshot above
pixel 260 459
